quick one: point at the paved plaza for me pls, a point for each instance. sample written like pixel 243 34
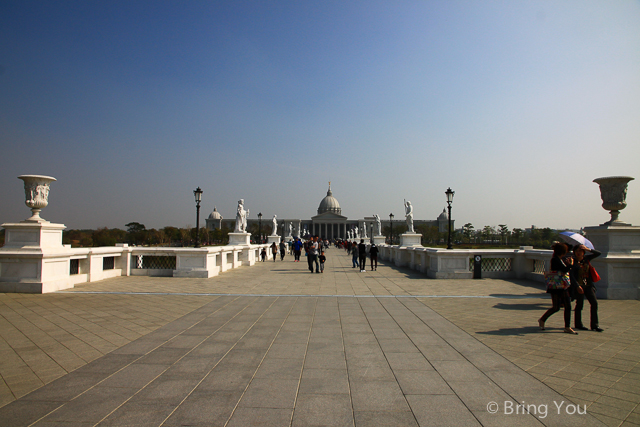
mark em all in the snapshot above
pixel 274 345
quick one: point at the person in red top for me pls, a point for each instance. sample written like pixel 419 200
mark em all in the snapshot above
pixel 584 286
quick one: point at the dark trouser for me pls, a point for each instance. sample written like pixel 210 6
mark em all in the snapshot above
pixel 560 299
pixel 274 256
pixel 312 259
pixel 281 254
pixel 363 262
pixel 374 258
pixel 296 255
pixel 354 259
pixel 590 294
pixel 309 261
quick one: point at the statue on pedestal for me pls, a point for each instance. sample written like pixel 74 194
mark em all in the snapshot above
pixel 290 229
pixel 408 213
pixel 378 228
pixel 274 231
pixel 241 218
pixel 364 231
pixel 355 232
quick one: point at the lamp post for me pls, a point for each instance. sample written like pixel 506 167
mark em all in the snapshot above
pixel 390 228
pixel 449 194
pixel 259 227
pixel 198 195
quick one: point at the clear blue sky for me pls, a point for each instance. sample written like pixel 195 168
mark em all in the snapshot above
pixel 515 105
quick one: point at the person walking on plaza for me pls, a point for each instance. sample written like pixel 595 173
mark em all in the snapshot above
pixel 362 254
pixel 313 254
pixel 584 286
pixel 297 248
pixel 322 261
pixel 561 266
pixel 354 255
pixel 373 254
pixel 282 250
pixel 263 254
pixel 274 251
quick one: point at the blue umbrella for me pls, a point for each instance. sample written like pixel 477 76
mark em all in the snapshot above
pixel 575 239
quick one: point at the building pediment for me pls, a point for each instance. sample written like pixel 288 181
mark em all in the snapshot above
pixel 328 216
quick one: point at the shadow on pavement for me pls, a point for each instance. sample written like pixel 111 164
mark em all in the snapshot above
pixel 513 331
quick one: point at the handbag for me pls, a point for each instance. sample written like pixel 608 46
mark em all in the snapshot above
pixel 556 280
pixel 595 277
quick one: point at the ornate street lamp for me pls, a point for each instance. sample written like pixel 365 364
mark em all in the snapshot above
pixel 390 228
pixel 259 227
pixel 449 194
pixel 198 195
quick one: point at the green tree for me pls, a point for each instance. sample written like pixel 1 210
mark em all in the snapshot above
pixel 488 233
pixel 108 237
pixel 136 233
pixel 467 231
pixel 504 233
pixel 517 234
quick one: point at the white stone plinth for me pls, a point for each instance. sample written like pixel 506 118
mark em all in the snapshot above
pixel 378 240
pixel 33 259
pixel 273 239
pixel 239 239
pixel 619 264
pixel 410 239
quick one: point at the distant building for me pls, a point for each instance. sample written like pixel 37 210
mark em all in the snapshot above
pixel 215 220
pixel 328 223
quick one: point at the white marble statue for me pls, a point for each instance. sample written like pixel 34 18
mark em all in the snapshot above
pixel 290 229
pixel 241 218
pixel 408 213
pixel 378 227
pixel 364 231
pixel 355 232
pixel 274 231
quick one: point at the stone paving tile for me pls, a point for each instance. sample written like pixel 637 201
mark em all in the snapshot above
pixel 285 360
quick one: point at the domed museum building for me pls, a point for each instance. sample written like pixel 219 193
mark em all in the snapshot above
pixel 328 223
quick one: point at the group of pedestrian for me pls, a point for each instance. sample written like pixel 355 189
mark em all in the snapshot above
pixel 315 254
pixel 573 279
pixel 358 253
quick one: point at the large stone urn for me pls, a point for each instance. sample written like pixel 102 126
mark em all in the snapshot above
pixel 613 191
pixel 36 189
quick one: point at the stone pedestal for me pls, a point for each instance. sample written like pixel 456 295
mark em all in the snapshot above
pixel 378 240
pixel 619 264
pixel 242 239
pixel 273 239
pixel 33 259
pixel 410 239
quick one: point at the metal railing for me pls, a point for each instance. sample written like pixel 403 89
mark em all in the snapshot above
pixel 494 264
pixel 154 262
pixel 108 263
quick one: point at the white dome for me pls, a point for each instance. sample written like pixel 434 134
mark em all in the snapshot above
pixel 215 214
pixel 329 204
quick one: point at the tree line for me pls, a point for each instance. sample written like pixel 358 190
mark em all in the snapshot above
pixel 487 236
pixel 137 234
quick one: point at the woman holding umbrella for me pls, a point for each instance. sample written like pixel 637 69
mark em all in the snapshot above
pixel 585 287
pixel 560 297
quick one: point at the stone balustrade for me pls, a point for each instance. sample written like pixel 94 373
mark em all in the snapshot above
pixel 523 263
pixel 37 272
